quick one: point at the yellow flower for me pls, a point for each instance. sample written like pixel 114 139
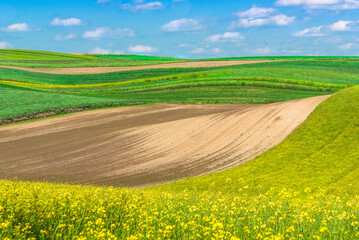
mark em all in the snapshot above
pixel 290 229
pixel 323 229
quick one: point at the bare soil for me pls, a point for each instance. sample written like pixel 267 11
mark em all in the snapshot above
pixel 146 145
pixel 96 70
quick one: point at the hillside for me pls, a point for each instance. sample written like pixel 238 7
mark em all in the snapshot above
pixel 323 153
pixel 45 59
pixel 50 94
pixel 313 174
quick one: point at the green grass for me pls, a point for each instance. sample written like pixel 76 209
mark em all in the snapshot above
pixel 30 55
pixel 17 102
pixel 257 83
pixel 305 188
pixel 38 59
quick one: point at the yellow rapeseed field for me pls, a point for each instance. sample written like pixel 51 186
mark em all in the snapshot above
pixel 52 211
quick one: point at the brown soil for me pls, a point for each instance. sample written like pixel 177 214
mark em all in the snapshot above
pixel 146 145
pixel 95 70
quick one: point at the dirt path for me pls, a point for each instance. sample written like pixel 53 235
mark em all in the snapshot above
pixel 95 70
pixel 138 146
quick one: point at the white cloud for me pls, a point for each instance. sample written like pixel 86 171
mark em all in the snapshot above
pixel 142 6
pixel 225 37
pixel 6 45
pixel 141 49
pixel 281 20
pixel 341 25
pixel 324 4
pixel 17 27
pixel 256 12
pixel 306 2
pixel 108 32
pixel 263 51
pixel 256 17
pixel 278 20
pixel 346 46
pixel 98 50
pixel 197 51
pixel 310 32
pixel 67 22
pixel 181 25
pixel 97 33
pixel 149 6
pixel 60 37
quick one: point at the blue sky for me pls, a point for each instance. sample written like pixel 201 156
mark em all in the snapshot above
pixel 183 28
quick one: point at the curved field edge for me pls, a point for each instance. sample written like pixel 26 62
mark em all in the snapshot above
pixel 323 153
pixel 318 203
pixel 262 83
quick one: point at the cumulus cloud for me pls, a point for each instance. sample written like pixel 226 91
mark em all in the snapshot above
pixel 277 20
pixel 339 26
pixel 17 27
pixel 142 6
pixel 108 32
pixel 141 49
pixel 256 17
pixel 97 33
pixel 225 37
pixel 256 12
pixel 306 2
pixel 67 22
pixel 149 6
pixel 342 26
pixel 310 32
pixel 324 4
pixel 6 45
pixel 182 25
pixel 60 37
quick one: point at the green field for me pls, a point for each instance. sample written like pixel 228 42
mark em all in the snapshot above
pixel 305 188
pixel 29 58
pixel 253 83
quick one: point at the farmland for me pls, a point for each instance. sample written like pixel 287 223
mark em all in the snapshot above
pixel 227 205
pixel 275 157
pixel 250 83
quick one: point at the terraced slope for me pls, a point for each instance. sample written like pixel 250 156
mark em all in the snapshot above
pixel 146 145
